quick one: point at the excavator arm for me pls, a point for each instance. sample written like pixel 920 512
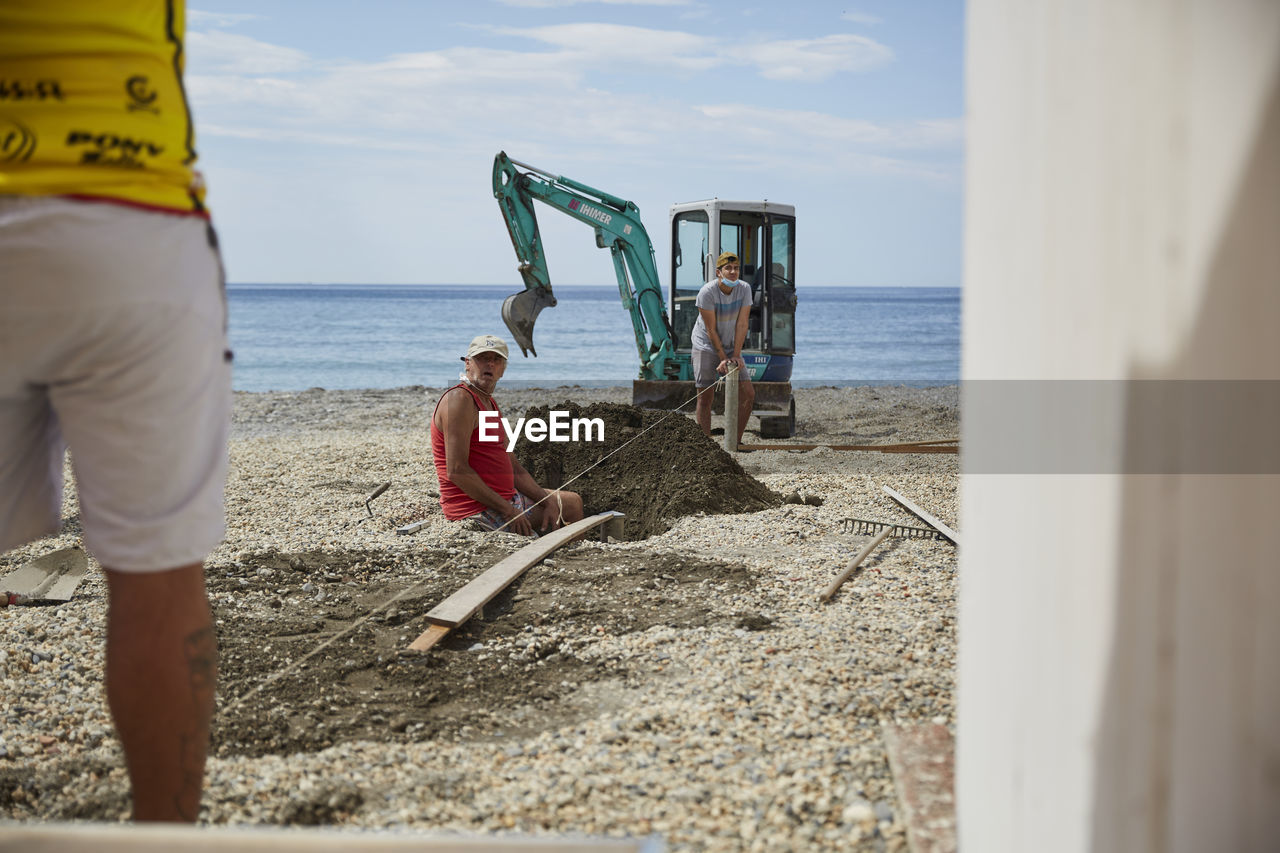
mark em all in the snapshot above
pixel 617 227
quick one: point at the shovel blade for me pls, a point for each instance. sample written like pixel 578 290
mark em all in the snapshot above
pixel 53 577
pixel 520 310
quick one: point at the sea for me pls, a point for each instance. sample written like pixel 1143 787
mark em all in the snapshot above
pixel 293 337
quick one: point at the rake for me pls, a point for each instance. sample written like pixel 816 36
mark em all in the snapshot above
pixel 864 527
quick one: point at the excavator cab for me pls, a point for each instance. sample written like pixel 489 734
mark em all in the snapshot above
pixel 763 236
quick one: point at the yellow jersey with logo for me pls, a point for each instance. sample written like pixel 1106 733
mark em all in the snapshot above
pixel 92 102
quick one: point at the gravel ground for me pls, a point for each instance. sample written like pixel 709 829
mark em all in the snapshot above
pixel 721 708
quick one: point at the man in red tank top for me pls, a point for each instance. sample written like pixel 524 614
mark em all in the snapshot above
pixel 480 479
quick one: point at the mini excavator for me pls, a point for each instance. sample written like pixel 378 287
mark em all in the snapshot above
pixel 761 233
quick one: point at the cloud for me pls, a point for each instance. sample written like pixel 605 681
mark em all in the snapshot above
pixel 218 20
pixel 587 44
pixel 906 135
pixel 559 4
pixel 813 142
pixel 817 59
pixel 227 53
pixel 443 106
pixel 790 59
pixel 860 18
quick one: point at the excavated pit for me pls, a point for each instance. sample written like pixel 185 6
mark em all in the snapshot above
pixel 525 666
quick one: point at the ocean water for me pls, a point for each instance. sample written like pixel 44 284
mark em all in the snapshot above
pixel 294 337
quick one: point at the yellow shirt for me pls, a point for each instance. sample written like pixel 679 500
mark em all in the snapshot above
pixel 92 102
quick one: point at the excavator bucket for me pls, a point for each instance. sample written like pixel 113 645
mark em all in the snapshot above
pixel 520 310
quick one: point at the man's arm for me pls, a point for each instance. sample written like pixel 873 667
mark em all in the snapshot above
pixel 525 483
pixel 458 418
pixel 709 323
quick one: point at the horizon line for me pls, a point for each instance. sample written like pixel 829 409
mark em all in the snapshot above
pixel 558 286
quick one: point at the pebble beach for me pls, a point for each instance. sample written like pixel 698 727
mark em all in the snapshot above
pixel 758 727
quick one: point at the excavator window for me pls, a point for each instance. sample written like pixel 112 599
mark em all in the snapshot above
pixel 765 245
pixel 780 286
pixel 731 238
pixel 691 238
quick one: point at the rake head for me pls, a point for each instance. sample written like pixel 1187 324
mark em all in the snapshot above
pixel 865 527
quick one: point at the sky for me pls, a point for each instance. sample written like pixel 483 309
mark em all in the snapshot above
pixel 353 142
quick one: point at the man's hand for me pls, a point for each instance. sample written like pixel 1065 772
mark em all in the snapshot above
pixel 727 363
pixel 551 520
pixel 518 522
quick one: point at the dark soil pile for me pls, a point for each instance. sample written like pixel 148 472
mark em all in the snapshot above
pixel 654 466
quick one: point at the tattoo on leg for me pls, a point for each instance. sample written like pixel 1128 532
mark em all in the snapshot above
pixel 201 651
pixel 186 799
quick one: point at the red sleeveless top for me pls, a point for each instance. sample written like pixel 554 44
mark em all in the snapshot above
pixel 489 459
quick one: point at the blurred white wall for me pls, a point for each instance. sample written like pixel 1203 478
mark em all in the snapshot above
pixel 1119 676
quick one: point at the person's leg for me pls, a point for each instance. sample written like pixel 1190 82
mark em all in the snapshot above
pixel 31 454
pixel 31 445
pixel 573 510
pixel 702 410
pixel 557 508
pixel 567 509
pixel 161 673
pixel 746 402
pixel 704 379
pixel 141 389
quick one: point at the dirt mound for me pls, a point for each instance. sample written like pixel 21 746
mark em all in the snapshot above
pixel 652 465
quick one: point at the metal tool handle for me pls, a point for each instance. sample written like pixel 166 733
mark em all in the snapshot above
pixel 376 492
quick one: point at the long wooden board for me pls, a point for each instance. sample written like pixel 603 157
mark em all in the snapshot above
pixel 934 522
pixel 166 837
pixel 429 638
pixel 924 442
pixel 911 447
pixel 464 603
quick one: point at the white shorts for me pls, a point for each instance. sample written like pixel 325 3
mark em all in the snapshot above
pixel 705 363
pixel 113 343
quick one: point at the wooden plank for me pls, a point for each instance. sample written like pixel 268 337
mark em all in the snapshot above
pixel 18 837
pixel 934 522
pixel 862 555
pixel 429 638
pixel 460 606
pixel 879 448
pixel 929 441
pixel 922 761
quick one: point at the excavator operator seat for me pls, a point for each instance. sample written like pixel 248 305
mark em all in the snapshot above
pixel 757 289
pixel 755 325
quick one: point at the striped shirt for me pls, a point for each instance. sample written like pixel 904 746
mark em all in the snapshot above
pixel 726 307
